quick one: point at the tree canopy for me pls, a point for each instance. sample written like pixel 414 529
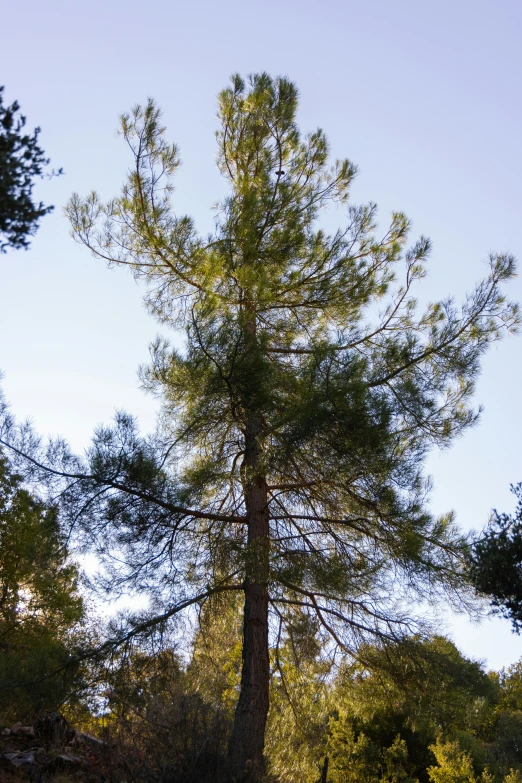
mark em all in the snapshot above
pixel 288 459
pixel 21 161
pixel 496 566
pixel 40 607
pixel 422 713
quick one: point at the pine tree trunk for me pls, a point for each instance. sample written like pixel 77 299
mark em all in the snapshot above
pixel 248 734
pixel 324 771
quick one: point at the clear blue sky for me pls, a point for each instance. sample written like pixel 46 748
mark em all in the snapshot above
pixel 423 96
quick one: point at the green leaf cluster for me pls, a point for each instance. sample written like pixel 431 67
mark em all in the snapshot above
pixel 40 607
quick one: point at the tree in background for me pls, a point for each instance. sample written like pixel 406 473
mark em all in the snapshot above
pixel 288 460
pixel 21 161
pixel 454 765
pixel 40 608
pixel 496 566
pixel 393 708
pixel 301 698
pixel 415 716
pixel 215 657
pixel 421 712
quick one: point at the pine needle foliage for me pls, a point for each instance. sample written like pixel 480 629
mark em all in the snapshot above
pixel 495 564
pixel 21 161
pixel 288 460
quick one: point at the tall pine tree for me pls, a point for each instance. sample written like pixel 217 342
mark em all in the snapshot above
pixel 288 460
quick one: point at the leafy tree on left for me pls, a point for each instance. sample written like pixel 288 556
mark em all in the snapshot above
pixel 40 607
pixel 21 161
pixel 496 565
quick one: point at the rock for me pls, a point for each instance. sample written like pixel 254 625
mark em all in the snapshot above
pixel 64 763
pixel 80 738
pixel 15 727
pixel 24 731
pixel 23 763
pixel 54 729
pixel 5 732
pixel 20 759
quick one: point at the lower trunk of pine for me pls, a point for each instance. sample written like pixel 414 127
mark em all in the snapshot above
pixel 248 735
pixel 246 752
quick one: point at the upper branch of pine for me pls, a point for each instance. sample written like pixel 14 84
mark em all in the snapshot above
pixel 138 229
